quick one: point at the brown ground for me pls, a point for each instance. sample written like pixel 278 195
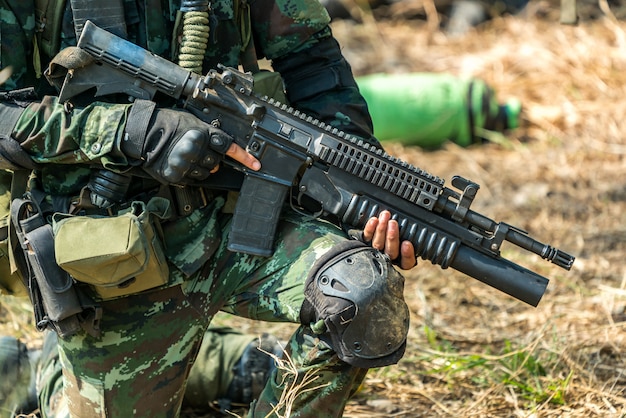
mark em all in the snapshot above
pixel 473 351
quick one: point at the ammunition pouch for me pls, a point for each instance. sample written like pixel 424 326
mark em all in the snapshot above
pixel 57 303
pixel 116 255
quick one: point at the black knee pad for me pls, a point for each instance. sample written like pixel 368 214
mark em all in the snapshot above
pixel 358 294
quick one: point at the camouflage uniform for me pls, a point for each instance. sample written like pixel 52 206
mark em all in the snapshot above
pixel 140 363
pixel 32 379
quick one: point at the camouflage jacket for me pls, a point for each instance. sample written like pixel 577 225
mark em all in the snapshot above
pixel 69 144
pixel 279 27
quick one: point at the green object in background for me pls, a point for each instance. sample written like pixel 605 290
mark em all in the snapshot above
pixel 427 109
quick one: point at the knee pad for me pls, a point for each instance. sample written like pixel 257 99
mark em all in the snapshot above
pixel 358 295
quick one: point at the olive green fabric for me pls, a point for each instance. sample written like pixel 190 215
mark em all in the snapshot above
pixel 269 83
pixel 117 255
pixel 212 371
pixel 10 282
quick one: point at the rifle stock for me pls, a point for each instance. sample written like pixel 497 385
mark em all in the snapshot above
pixel 330 174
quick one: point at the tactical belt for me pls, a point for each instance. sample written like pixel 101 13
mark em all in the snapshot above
pixel 184 201
pixel 187 199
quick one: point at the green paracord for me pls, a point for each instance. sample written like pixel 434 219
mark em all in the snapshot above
pixel 195 38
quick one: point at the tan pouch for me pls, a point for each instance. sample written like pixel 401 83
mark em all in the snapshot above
pixel 117 255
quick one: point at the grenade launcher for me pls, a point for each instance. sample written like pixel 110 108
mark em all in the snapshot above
pixel 318 169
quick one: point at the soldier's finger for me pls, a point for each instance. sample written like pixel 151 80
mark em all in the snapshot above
pixel 239 154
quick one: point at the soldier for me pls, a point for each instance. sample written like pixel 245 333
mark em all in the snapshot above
pixel 137 338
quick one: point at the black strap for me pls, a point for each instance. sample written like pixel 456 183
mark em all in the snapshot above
pixel 13 156
pixel 107 14
pixel 10 114
pixel 137 128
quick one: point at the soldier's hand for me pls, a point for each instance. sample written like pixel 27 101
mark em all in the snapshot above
pixel 175 147
pixel 384 234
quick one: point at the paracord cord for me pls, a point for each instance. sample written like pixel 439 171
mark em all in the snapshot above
pixel 195 34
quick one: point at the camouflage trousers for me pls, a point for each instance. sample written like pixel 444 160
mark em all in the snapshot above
pixel 140 364
pixel 209 379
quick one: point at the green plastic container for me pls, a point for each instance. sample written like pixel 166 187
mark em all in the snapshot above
pixel 427 109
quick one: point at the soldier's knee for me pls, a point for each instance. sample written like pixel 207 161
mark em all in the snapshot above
pixel 357 295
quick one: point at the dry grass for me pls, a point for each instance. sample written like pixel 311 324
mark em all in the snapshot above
pixel 473 351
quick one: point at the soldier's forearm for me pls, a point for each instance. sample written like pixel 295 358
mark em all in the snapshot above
pixel 52 133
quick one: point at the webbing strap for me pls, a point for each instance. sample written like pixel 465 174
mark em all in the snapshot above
pixel 137 128
pixel 49 16
pixel 248 56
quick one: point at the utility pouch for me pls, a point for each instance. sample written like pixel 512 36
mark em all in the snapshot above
pixel 57 303
pixel 118 255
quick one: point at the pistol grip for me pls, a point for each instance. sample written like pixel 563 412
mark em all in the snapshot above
pixel 256 216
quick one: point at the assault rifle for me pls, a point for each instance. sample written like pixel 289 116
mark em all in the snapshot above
pixel 318 169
